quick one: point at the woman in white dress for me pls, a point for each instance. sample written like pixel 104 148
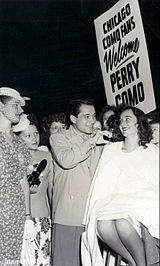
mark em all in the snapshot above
pixel 124 194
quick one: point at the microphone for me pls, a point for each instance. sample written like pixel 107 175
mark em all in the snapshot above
pixel 33 178
pixel 108 139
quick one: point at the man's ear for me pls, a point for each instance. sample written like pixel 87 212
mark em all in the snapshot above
pixel 73 119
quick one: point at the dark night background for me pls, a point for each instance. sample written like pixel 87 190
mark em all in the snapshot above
pixel 48 50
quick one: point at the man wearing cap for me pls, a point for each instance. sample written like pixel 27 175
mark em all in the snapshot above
pixel 5 91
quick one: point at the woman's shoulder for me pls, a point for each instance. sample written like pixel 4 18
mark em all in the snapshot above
pixel 21 144
pixel 19 141
pixel 60 137
pixel 113 146
pixel 111 151
pixel 152 148
pixel 43 148
pixel 41 154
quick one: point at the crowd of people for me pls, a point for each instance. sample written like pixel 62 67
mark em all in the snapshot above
pixel 65 186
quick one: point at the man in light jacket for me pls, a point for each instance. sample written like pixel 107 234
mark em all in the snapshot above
pixel 76 156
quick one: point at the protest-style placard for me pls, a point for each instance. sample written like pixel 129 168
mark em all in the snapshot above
pixel 124 57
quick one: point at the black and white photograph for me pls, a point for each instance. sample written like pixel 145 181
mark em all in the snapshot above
pixel 79 132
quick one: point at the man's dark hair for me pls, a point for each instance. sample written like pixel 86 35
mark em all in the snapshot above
pixel 75 105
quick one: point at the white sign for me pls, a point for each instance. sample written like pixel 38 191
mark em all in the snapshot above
pixel 123 56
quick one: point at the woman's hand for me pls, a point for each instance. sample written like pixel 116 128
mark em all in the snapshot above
pixel 28 217
pixel 25 187
pixel 33 189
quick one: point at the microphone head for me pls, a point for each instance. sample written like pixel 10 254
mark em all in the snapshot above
pixel 33 178
pixel 106 138
pixel 41 166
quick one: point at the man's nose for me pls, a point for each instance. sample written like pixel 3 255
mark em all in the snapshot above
pixel 92 121
pixel 34 137
pixel 20 110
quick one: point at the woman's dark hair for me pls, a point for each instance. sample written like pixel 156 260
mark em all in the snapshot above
pixel 75 105
pixel 144 129
pixel 105 109
pixel 48 120
pixel 33 120
pixel 154 118
pixel 113 126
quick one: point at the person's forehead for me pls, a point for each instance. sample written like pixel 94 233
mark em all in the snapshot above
pixel 30 129
pixel 108 113
pixel 54 123
pixel 126 113
pixel 86 109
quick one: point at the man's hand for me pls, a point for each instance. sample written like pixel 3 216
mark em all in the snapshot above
pixel 97 137
pixel 101 140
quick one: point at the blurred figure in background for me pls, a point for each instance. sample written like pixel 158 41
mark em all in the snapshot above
pixel 51 124
pixel 106 112
pixel 155 125
pixel 154 120
pixel 113 127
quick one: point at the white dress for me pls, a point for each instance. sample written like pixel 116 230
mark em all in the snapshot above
pixel 125 185
pixel 36 248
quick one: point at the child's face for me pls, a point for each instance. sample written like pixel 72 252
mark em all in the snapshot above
pixel 31 137
pixel 56 127
pixel 155 129
pixel 106 115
